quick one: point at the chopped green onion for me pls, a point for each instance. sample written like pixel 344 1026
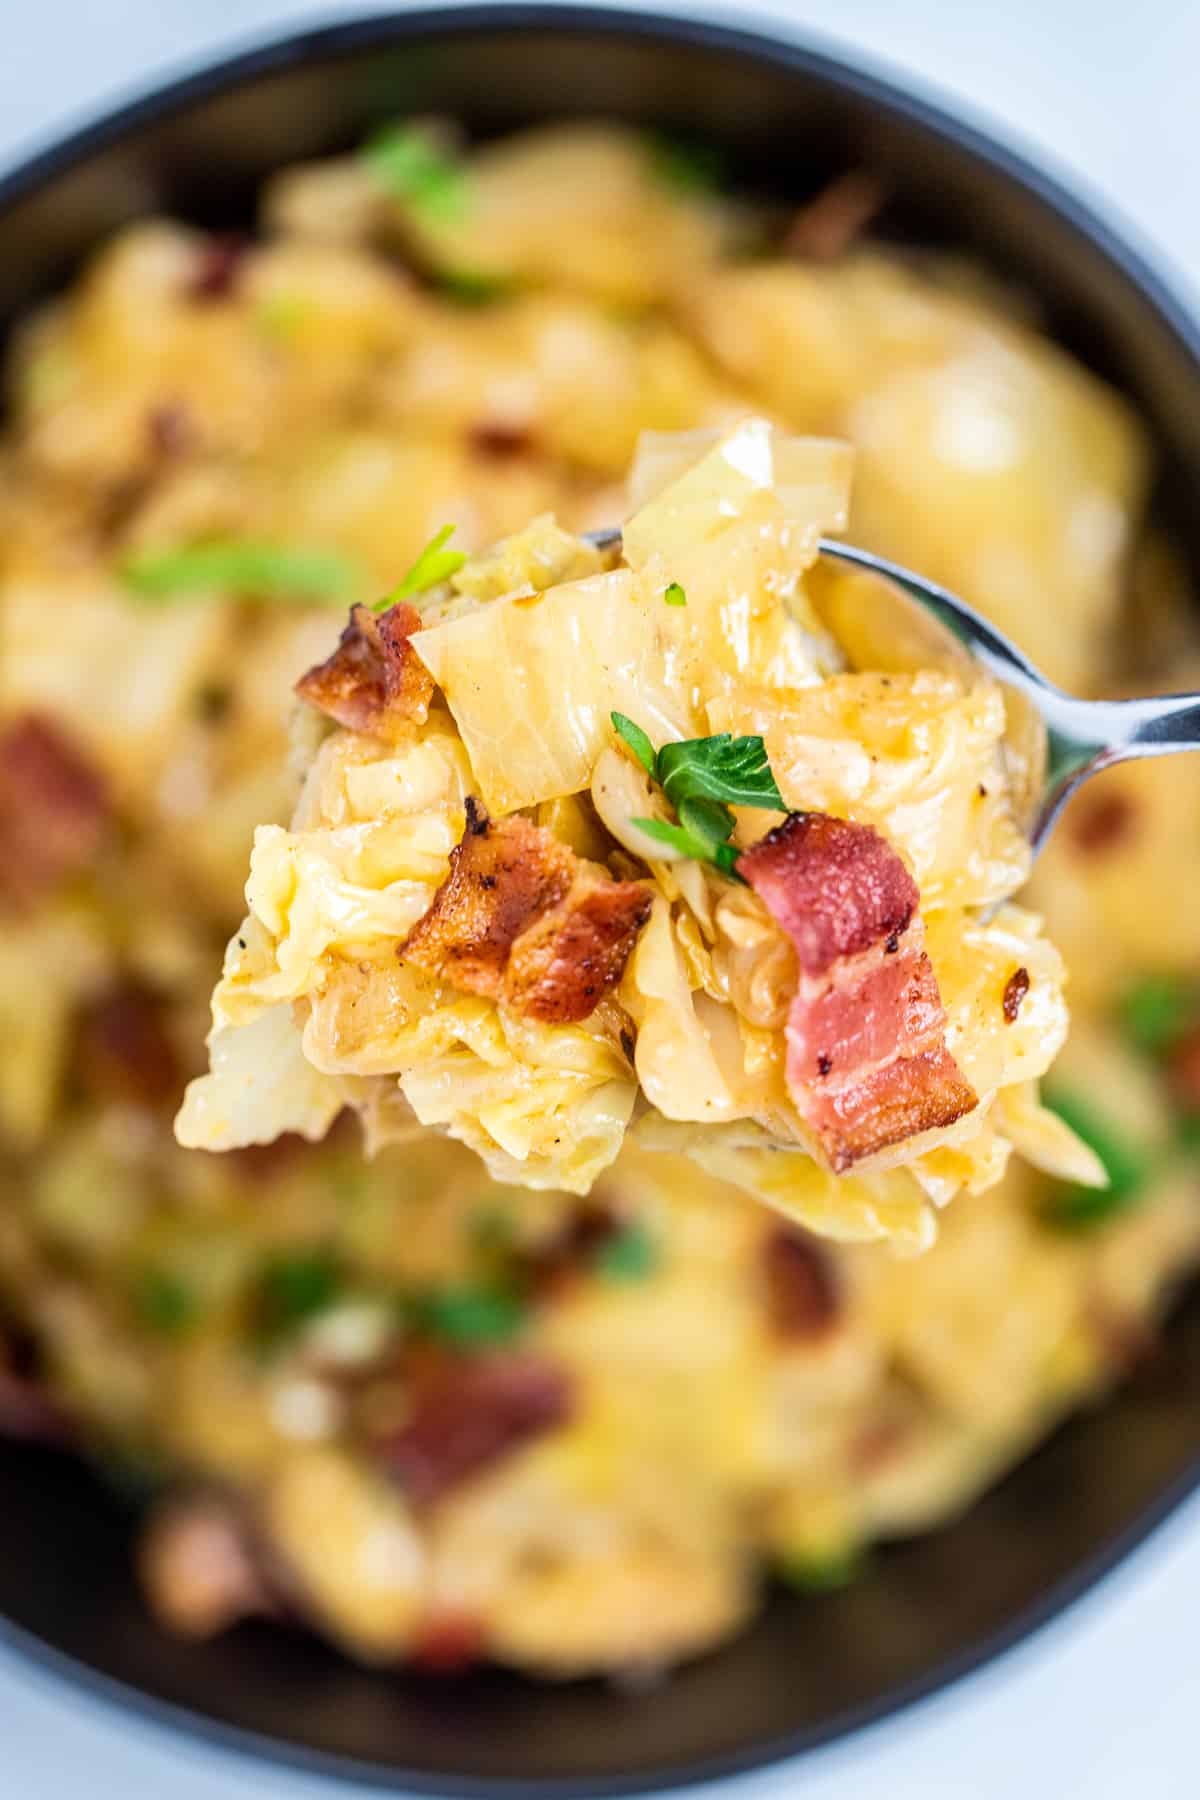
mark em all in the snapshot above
pixel 636 738
pixel 1156 1012
pixel 674 595
pixel 434 564
pixel 699 849
pixel 821 1574
pixel 630 1255
pixel 686 164
pixel 410 163
pixel 262 570
pixel 166 1301
pixel 473 288
pixel 1126 1166
pixel 293 1288
pixel 470 1315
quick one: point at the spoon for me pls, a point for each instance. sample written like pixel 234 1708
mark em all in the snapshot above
pixel 1055 741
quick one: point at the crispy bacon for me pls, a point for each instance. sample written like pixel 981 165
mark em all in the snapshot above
pixel 1101 822
pixel 499 442
pixel 519 919
pixel 804 1295
pixel 867 1063
pixel 449 1642
pixel 124 1050
pixel 1015 990
pixel 374 682
pixel 469 1413
pixel 218 266
pixel 833 221
pixel 552 1268
pixel 1183 1067
pixel 54 810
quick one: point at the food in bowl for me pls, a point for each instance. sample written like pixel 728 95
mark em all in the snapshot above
pixel 434 1420
pixel 500 897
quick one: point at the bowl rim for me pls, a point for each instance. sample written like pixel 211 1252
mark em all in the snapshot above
pixel 766 41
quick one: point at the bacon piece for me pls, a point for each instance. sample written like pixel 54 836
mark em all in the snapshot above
pixel 449 1643
pixel 1101 822
pixel 1183 1067
pixel 218 266
pixel 1015 990
pixel 833 220
pixel 374 682
pixel 563 964
pixel 170 429
pixel 499 442
pixel 520 920
pixel 867 1065
pixel 804 1295
pixel 552 1268
pixel 54 810
pixel 124 1051
pixel 469 1413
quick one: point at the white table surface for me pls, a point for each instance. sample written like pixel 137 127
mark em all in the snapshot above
pixel 1103 1702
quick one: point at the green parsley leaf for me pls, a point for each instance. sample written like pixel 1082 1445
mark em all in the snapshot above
pixel 687 164
pixel 261 570
pixel 700 849
pixel 674 595
pixel 293 1288
pixel 630 1255
pixel 1127 1166
pixel 412 166
pixel 166 1301
pixel 1156 1012
pixel 734 770
pixel 470 1315
pixel 473 288
pixel 636 738
pixel 708 820
pixel 824 1574
pixel 434 564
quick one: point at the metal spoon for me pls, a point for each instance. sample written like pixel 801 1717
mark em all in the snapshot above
pixel 1055 741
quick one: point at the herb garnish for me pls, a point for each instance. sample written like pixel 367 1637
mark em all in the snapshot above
pixel 703 778
pixel 1156 1013
pixel 411 163
pixel 471 287
pixel 822 1574
pixel 630 1255
pixel 434 564
pixel 469 1314
pixel 1127 1166
pixel 166 1301
pixel 293 1288
pixel 674 594
pixel 267 571
pixel 687 164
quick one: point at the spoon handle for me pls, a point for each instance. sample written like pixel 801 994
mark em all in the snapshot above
pixel 1085 736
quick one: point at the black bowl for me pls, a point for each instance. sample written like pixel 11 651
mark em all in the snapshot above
pixel 809 1670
